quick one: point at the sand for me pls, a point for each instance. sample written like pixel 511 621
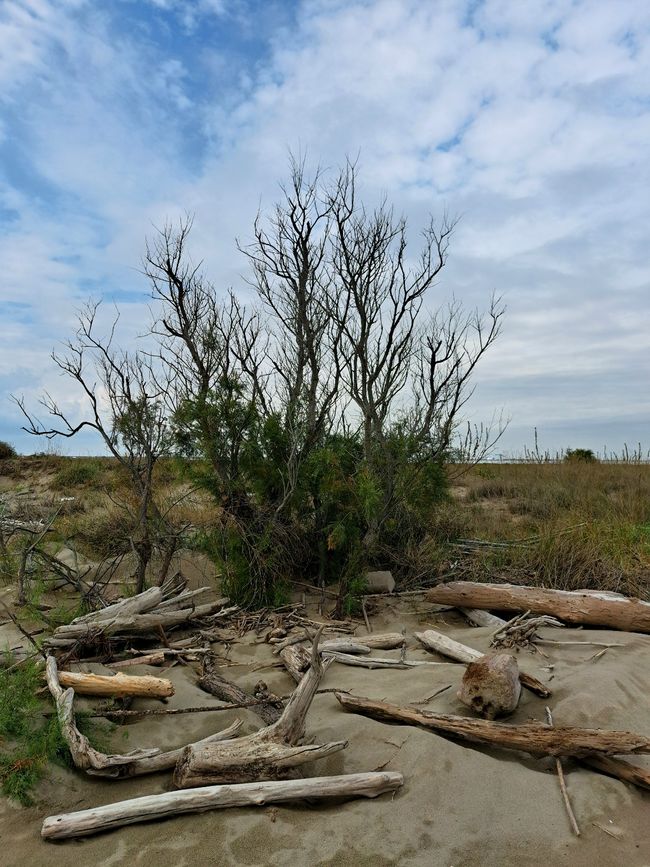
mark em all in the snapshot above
pixel 460 806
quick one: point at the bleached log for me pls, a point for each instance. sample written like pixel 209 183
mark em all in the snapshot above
pixel 630 615
pixel 534 738
pixel 83 754
pixel 271 753
pixel 381 641
pixel 490 686
pixel 118 684
pixel 85 822
pixel 442 644
pixel 138 604
pixel 482 618
pixel 345 645
pixel 372 662
pixel 296 659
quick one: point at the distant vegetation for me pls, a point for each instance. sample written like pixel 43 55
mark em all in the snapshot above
pixel 6 451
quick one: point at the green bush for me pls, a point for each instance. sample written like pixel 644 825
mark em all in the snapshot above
pixel 6 451
pixel 586 455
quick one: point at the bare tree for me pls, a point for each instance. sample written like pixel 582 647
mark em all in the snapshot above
pixel 125 399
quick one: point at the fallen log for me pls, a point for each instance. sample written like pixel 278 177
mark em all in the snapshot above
pixel 490 686
pixel 381 641
pixel 157 657
pixel 619 769
pixel 119 685
pixel 138 604
pixel 445 646
pixel 296 659
pixel 226 690
pixel 272 753
pixel 376 661
pixel 85 822
pixel 538 739
pixel 479 617
pixel 577 607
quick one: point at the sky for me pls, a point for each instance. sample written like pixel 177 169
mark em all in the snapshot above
pixel 528 120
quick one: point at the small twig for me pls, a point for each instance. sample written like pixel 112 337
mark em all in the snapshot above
pixel 433 695
pixel 606 830
pixel 365 614
pixel 596 656
pixel 563 788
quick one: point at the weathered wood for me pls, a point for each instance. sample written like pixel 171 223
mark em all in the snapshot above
pixel 534 738
pixel 345 645
pixel 490 686
pixel 163 761
pixel 482 618
pixel 376 661
pixel 381 641
pixel 85 822
pixel 211 681
pixel 83 754
pixel 89 632
pixel 296 659
pixel 271 753
pixel 118 684
pixel 445 646
pixel 155 658
pixel 620 769
pixel 138 604
pixel 630 615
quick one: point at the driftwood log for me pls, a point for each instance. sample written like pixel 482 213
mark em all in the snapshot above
pixel 535 738
pixel 490 686
pixel 296 659
pixel 104 818
pixel 479 617
pixel 118 684
pixel 445 646
pixel 211 681
pixel 272 753
pixel 581 607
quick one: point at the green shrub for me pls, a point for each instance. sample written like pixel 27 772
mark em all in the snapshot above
pixel 6 451
pixel 585 455
pixel 77 474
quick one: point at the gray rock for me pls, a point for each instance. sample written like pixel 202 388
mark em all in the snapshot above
pixel 379 582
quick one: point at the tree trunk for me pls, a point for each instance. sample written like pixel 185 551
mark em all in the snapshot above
pixel 630 615
pixel 226 690
pixel 91 821
pixel 535 738
pixel 442 644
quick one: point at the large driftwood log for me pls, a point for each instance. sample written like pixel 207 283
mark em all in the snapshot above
pixel 620 769
pixel 86 822
pixel 630 615
pixel 211 681
pixel 534 738
pixel 139 604
pixel 445 646
pixel 119 685
pixel 490 686
pixel 271 753
pixel 478 617
pixel 296 659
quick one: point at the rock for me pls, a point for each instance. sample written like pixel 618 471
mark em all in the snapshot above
pixel 379 582
pixel 491 686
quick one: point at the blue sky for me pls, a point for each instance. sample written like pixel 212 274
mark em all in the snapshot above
pixel 529 119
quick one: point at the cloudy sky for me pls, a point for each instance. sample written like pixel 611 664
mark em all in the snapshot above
pixel 528 118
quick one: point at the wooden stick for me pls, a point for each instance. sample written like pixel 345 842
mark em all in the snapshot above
pixel 534 738
pixel 155 658
pixel 442 644
pixel 563 788
pixel 630 615
pixel 118 684
pixel 376 661
pixel 85 822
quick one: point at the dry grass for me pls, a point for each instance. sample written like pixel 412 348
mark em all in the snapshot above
pixel 591 524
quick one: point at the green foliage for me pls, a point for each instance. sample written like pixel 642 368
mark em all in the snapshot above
pixel 78 473
pixel 586 455
pixel 6 451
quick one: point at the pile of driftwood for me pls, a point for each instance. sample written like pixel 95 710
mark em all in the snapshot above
pixel 225 770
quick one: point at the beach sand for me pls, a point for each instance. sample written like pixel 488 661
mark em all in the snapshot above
pixel 460 806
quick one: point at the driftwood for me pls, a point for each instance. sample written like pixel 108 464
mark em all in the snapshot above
pixel 84 756
pixel 442 644
pixel 620 769
pixel 226 690
pixel 296 659
pixel 376 661
pixel 271 753
pixel 609 610
pixel 478 617
pixel 535 738
pixel 490 686
pixel 563 789
pixel 89 632
pixel 157 657
pixel 85 822
pixel 145 601
pixel 116 684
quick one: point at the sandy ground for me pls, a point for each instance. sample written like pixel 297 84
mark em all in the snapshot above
pixel 459 807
